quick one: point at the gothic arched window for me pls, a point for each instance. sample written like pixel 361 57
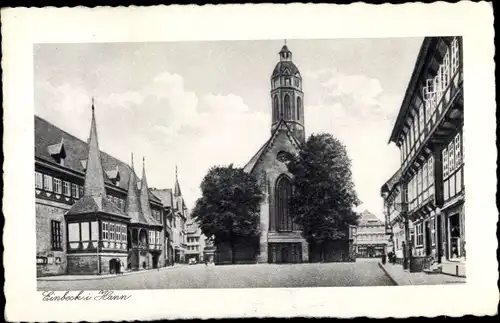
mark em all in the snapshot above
pixel 275 108
pixel 299 107
pixel 283 220
pixel 288 110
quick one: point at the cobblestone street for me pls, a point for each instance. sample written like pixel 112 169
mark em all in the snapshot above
pixel 361 273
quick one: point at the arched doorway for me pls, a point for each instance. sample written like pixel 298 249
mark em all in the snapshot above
pixel 115 266
pixel 112 266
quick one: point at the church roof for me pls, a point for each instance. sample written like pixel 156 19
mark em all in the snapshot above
pixel 368 218
pixel 285 68
pixel 255 159
pixel 47 134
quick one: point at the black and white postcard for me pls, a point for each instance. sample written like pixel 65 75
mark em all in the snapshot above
pixel 249 161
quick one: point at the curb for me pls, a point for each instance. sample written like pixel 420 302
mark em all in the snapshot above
pixel 387 274
pixel 108 276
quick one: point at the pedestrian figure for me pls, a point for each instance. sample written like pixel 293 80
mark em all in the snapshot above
pixel 206 263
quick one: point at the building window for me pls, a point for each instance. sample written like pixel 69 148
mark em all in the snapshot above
pixel 104 231
pixel 299 107
pixel 38 180
pixel 420 235
pixel 66 189
pixel 276 115
pixel 283 195
pixel 451 157
pixel 458 151
pixel 47 183
pixel 56 235
pixel 455 59
pixel 287 107
pixel 111 231
pixel 445 70
pixel 433 231
pixel 74 191
pixel 287 81
pixel 445 163
pixel 57 186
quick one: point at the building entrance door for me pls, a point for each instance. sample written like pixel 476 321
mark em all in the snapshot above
pixel 427 239
pixel 285 253
pixel 439 241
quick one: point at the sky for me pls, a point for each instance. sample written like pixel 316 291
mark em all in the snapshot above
pixel 200 104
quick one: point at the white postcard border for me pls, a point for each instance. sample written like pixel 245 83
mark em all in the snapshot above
pixel 23 27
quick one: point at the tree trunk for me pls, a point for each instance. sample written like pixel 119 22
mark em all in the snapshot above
pixel 322 248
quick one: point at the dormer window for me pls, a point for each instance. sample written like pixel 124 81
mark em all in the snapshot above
pixel 114 176
pixel 83 163
pixel 58 152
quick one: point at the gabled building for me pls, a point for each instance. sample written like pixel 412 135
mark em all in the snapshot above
pixel 371 239
pixel 176 215
pixel 428 131
pixel 90 214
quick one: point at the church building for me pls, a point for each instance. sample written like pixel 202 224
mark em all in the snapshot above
pixel 281 240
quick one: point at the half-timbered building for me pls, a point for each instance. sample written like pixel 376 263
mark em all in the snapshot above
pixel 87 206
pixel 428 131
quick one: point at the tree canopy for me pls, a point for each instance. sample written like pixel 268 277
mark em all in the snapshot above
pixel 229 207
pixel 324 194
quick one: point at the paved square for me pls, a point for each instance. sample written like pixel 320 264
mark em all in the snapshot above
pixel 361 273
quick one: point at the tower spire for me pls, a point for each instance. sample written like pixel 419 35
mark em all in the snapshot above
pixel 144 194
pixel 177 188
pixel 94 174
pixel 132 203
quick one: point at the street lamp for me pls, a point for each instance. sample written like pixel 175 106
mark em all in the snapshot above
pixel 402 208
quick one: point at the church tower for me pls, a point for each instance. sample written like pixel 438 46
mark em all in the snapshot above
pixel 286 95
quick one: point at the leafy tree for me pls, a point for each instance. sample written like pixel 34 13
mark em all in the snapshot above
pixel 229 207
pixel 324 195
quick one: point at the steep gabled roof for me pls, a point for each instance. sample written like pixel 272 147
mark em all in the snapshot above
pixel 368 218
pixel 144 198
pixel 47 134
pixel 132 204
pixel 95 204
pixel 166 196
pixel 282 125
pixel 94 197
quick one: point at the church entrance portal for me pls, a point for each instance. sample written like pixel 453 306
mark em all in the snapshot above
pixel 283 253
